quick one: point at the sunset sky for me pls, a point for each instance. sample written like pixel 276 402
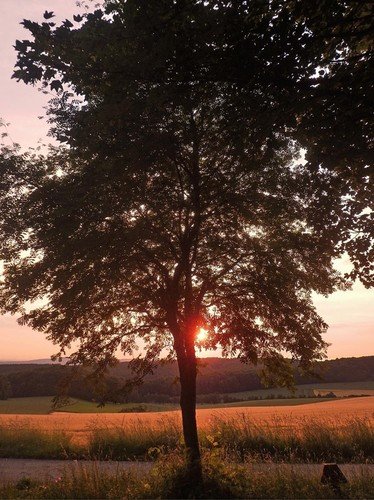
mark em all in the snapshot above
pixel 349 314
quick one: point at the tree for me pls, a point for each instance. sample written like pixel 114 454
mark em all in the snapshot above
pixel 180 201
pixel 5 388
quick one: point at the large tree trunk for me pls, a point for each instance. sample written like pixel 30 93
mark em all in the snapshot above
pixel 188 373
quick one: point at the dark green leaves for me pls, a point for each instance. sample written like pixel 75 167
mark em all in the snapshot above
pixel 30 25
pixel 67 24
pixel 181 198
pixel 56 85
pixel 48 15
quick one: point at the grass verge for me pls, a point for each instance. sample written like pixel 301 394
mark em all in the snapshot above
pixel 170 479
pixel 349 440
pixel 346 440
pixel 16 442
pixel 135 441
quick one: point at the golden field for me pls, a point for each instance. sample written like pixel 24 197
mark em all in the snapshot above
pixel 80 425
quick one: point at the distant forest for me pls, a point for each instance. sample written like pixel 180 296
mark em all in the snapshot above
pixel 217 376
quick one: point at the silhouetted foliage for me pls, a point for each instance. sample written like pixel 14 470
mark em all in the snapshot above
pixel 5 388
pixel 180 200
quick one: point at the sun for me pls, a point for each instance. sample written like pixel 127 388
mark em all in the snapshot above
pixel 201 334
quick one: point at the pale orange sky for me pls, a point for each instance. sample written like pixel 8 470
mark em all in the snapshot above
pixel 349 314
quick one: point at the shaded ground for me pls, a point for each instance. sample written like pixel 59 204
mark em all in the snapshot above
pixel 13 469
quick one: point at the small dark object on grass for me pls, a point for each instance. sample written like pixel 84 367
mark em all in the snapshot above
pixel 330 395
pixel 25 484
pixel 134 409
pixel 333 476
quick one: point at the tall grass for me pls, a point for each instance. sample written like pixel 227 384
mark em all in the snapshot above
pixel 350 440
pixel 347 440
pixel 21 442
pixel 135 440
pixel 304 440
pixel 170 479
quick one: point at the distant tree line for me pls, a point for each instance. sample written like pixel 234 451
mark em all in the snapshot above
pixel 221 376
pixel 5 388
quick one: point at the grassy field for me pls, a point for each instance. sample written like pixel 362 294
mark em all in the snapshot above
pixel 347 440
pixel 80 406
pixel 26 406
pixel 339 430
pixel 242 439
pixel 267 403
pixel 43 406
pixel 267 397
pixel 307 390
pixel 234 438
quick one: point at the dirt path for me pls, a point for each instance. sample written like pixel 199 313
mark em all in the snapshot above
pixel 14 469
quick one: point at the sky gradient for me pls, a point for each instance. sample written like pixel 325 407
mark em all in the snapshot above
pixel 350 315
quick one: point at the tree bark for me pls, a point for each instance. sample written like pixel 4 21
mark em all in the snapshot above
pixel 188 372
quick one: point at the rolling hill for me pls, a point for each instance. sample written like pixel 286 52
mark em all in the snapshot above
pixel 216 376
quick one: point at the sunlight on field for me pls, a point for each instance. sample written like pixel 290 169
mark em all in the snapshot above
pixel 80 425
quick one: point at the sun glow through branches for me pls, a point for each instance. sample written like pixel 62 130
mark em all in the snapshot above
pixel 201 334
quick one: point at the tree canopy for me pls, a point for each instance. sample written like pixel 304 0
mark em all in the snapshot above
pixel 180 199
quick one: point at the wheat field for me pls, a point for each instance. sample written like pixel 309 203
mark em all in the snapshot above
pixel 80 426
